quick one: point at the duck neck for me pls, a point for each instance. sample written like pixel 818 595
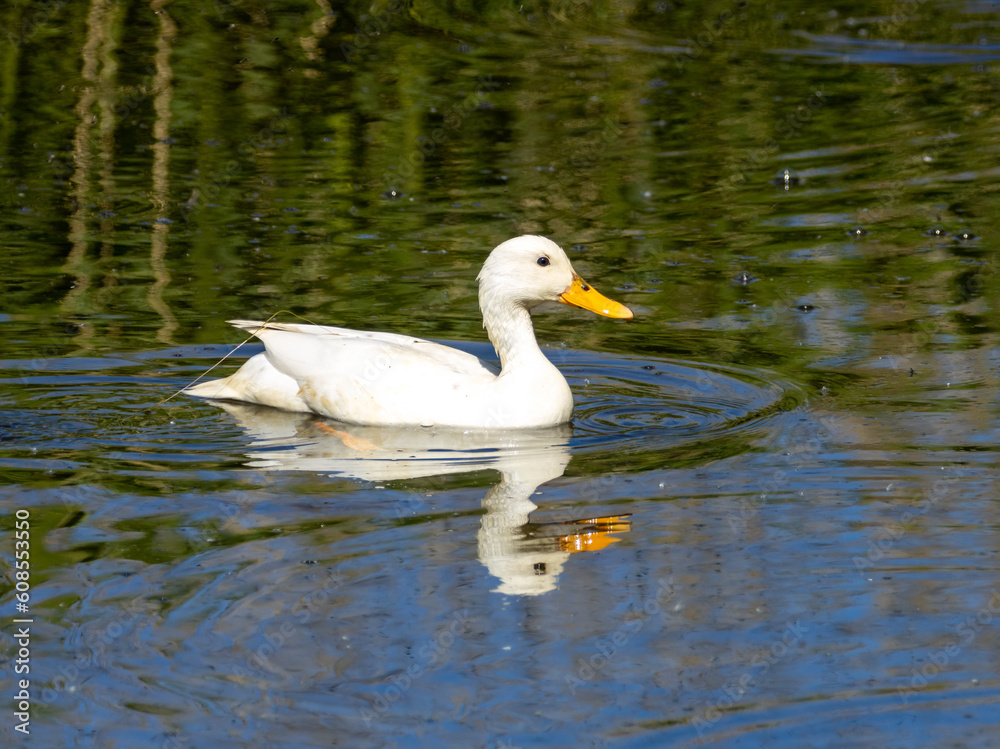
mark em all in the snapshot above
pixel 512 335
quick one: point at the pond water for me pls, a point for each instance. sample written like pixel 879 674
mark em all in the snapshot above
pixel 773 519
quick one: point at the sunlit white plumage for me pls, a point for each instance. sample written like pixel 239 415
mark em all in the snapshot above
pixel 390 379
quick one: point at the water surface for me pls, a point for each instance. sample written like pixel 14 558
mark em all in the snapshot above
pixel 773 518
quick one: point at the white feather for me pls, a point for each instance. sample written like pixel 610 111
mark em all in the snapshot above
pixel 389 379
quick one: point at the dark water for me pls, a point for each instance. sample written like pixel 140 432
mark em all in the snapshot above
pixel 773 520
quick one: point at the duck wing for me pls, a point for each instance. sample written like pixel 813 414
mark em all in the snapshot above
pixel 329 348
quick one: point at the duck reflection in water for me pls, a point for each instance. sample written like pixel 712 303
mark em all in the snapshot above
pixel 526 557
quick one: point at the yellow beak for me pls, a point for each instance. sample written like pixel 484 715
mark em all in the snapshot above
pixel 581 294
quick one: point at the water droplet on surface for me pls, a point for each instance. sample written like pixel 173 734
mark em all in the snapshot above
pixel 786 178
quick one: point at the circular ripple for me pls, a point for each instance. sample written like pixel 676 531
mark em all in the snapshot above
pixel 632 410
pixel 634 403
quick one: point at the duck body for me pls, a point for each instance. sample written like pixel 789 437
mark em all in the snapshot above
pixel 388 379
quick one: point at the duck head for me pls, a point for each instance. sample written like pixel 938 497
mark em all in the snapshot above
pixel 528 270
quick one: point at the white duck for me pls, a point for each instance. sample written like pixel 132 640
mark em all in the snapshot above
pixel 386 379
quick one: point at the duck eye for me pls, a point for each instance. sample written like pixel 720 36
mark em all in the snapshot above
pixel 543 261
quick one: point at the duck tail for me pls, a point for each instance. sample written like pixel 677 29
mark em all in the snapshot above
pixel 213 389
pixel 250 326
